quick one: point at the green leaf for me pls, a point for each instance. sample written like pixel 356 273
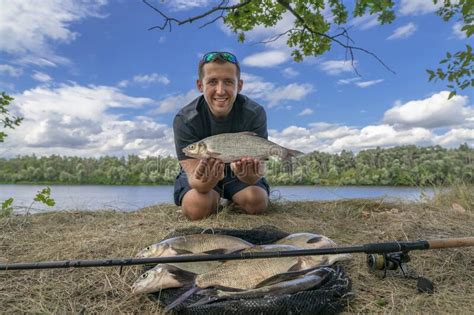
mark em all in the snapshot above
pixel 7 210
pixel 43 196
pixel 381 302
pixel 453 93
pixel 431 73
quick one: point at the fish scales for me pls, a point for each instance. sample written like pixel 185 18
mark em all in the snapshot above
pixel 199 243
pixel 230 147
pixel 245 275
pixel 235 146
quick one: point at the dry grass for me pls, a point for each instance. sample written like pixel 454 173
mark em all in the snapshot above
pixel 96 235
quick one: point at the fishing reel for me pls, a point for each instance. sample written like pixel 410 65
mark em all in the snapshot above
pixel 395 261
pixel 388 261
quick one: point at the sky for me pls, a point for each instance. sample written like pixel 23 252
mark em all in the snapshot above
pixel 91 79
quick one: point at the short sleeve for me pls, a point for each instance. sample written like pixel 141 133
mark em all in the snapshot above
pixel 183 136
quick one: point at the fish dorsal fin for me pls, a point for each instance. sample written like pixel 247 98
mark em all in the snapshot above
pixel 314 239
pixel 248 133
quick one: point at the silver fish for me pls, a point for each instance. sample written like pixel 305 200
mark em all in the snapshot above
pixel 162 276
pixel 313 241
pixel 303 282
pixel 193 244
pixel 248 274
pixel 230 147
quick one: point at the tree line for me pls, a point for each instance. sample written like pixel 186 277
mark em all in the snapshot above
pixel 398 166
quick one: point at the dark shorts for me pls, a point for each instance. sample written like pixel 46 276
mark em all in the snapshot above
pixel 226 187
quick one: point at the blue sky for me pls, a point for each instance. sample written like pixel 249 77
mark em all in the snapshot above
pixel 90 79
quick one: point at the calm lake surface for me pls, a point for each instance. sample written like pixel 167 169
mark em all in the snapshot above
pixel 130 198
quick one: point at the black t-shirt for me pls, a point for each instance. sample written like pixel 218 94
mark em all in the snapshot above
pixel 195 122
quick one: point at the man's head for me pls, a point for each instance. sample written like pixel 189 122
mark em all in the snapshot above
pixel 219 81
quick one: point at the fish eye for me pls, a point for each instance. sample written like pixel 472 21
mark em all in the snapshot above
pixel 147 248
pixel 144 275
pixel 192 146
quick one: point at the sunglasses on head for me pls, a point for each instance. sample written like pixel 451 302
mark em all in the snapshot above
pixel 211 56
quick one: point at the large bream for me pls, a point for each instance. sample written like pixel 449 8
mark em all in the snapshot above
pixel 230 147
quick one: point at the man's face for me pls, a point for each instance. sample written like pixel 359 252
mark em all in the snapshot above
pixel 220 86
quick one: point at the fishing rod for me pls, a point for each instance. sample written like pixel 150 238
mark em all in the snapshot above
pixel 388 249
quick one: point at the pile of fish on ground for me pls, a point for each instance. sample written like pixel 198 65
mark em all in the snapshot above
pixel 302 285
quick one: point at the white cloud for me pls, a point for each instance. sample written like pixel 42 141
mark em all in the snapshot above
pixel 335 138
pixel 174 103
pixel 455 137
pixel 290 72
pixel 365 84
pixel 306 112
pixel 433 112
pixel 266 59
pixel 412 126
pixel 458 33
pixel 41 77
pixel 76 120
pixel 294 92
pixel 348 81
pixel 183 5
pixel 404 31
pixel 256 88
pixel 418 7
pixel 364 22
pixel 10 70
pixel 383 136
pixel 335 67
pixel 145 80
pixel 150 78
pixel 27 29
pixel 84 102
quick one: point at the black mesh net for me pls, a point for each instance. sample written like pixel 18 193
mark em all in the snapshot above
pixel 328 298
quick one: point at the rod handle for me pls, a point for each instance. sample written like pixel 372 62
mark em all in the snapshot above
pixel 452 242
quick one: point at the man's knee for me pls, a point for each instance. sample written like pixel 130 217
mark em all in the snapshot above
pixel 253 199
pixel 197 206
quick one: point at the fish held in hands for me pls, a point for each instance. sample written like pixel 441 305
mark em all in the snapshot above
pixel 230 147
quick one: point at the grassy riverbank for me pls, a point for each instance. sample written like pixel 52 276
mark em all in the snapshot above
pixel 95 235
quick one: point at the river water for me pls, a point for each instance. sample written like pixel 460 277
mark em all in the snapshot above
pixel 130 198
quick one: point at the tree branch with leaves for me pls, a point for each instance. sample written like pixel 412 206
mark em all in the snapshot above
pixel 309 35
pixel 6 119
pixel 457 67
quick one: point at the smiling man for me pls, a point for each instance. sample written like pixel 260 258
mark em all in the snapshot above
pixel 220 109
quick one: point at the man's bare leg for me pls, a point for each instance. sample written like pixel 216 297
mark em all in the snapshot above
pixel 253 199
pixel 197 206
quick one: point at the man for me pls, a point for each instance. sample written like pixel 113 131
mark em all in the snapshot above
pixel 220 109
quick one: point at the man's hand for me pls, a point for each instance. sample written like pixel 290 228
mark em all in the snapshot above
pixel 203 175
pixel 248 170
pixel 210 170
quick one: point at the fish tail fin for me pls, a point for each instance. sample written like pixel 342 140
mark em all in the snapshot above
pixel 294 153
pixel 287 160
